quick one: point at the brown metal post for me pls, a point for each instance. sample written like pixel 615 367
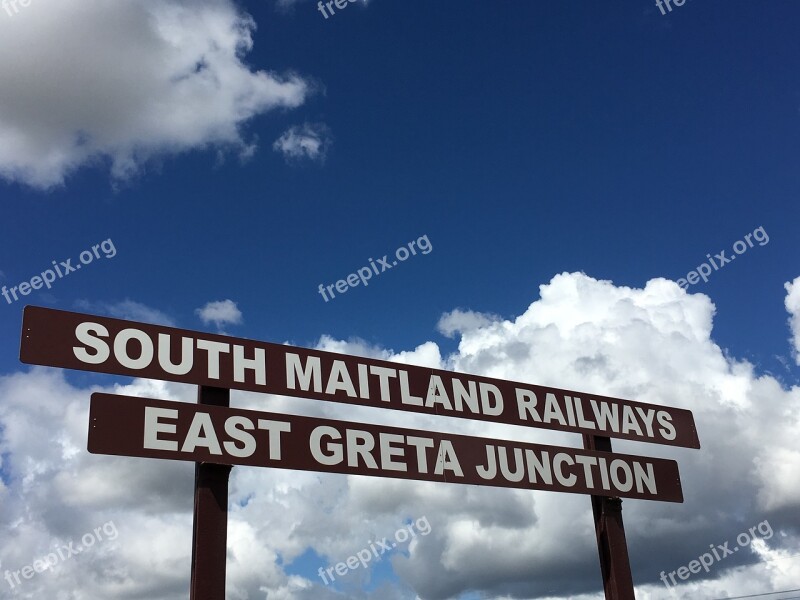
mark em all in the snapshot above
pixel 210 532
pixel 611 544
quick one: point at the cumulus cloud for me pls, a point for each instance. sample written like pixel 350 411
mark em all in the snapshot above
pixel 310 140
pixel 120 83
pixel 653 344
pixel 221 312
pixel 792 303
pixel 462 321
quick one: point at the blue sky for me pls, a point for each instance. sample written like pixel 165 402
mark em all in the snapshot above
pixel 525 140
pixel 611 140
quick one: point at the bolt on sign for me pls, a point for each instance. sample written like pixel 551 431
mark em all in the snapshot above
pixel 89 343
pixel 215 436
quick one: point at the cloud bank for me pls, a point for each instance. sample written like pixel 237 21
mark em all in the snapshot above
pixel 653 344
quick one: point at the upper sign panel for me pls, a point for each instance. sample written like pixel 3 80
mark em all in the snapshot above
pixel 90 343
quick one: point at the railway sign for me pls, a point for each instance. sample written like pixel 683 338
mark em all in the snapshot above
pixel 123 425
pixel 90 343
pixel 215 436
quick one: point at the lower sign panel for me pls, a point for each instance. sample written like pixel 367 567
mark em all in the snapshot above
pixel 127 426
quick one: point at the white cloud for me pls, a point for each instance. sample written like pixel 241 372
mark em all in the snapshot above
pixel 462 321
pixel 127 309
pixel 222 312
pixel 90 82
pixel 653 344
pixel 310 140
pixel 792 303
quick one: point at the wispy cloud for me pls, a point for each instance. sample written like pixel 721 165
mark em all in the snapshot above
pixel 310 141
pixel 127 309
pixel 220 313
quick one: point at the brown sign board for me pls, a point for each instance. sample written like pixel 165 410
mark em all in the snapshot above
pixel 142 427
pixel 91 343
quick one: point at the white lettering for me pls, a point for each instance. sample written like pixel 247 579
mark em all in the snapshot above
pixel 579 411
pixel 334 449
pixel 647 418
pixel 274 431
pixel 121 348
pixel 490 470
pixel 437 393
pixel 558 460
pixel 519 471
pixel 258 364
pixel 387 452
pixel 383 374
pixel 539 469
pixel 83 332
pixel 232 425
pixel 607 416
pixel 294 369
pixel 360 443
pixel 201 434
pixel 363 382
pixel 587 462
pixel 461 395
pixel 421 444
pixel 622 486
pixel 187 356
pixel 665 420
pixel 487 389
pixel 629 421
pixel 644 478
pixel 447 459
pixel 214 349
pixel 405 395
pixel 340 380
pixel 152 428
pixel 552 411
pixel 526 405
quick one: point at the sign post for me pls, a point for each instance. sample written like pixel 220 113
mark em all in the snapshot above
pixel 615 565
pixel 210 524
